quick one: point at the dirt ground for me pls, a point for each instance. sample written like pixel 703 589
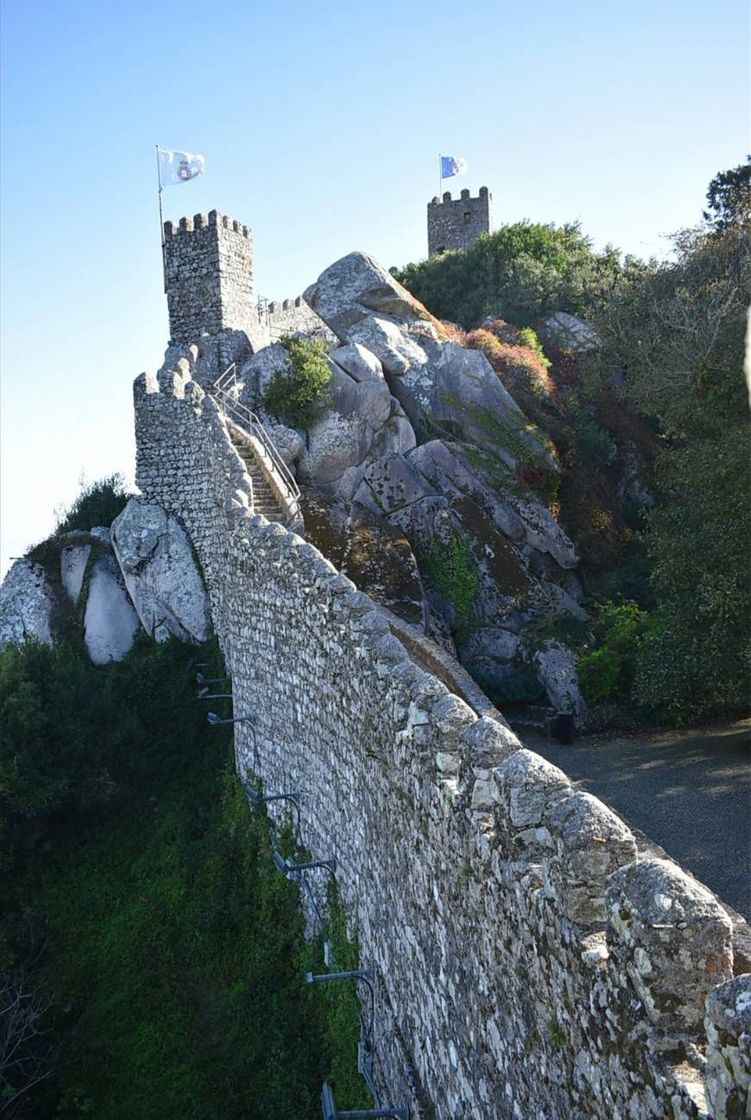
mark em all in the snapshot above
pixel 687 791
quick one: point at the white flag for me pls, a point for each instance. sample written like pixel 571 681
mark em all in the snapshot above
pixel 179 167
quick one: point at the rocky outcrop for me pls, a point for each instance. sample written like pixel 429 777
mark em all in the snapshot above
pixel 73 561
pixel 441 385
pixel 362 423
pixel 110 623
pixel 420 437
pixel 567 332
pixel 142 572
pixel 356 288
pixel 556 668
pixel 160 573
pixel 26 604
pixel 374 555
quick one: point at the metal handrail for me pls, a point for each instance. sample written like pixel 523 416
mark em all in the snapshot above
pixel 251 422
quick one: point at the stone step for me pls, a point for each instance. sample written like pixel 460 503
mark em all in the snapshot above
pixel 264 498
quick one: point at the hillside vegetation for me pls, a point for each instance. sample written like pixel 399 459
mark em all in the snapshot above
pixel 152 957
pixel 651 429
pixel 521 273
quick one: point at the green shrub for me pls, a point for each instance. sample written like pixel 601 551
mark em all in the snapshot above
pixel 98 503
pixel 452 570
pixel 298 394
pixel 599 675
pixel 521 272
pixel 606 672
pixel 528 338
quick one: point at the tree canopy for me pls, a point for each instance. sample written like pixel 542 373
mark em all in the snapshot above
pixel 520 273
pixel 678 337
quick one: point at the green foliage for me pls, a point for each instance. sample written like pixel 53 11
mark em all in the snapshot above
pixel 340 1009
pixel 606 672
pixel 521 272
pixel 528 338
pixel 51 761
pixel 679 335
pixel 98 503
pixel 452 570
pixel 173 950
pixel 699 537
pixel 298 393
pixel 729 197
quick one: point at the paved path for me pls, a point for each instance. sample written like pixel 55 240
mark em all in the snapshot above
pixel 690 792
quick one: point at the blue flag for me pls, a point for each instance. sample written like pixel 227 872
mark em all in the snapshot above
pixel 451 166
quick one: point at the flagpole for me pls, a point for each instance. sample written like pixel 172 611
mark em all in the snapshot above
pixel 161 217
pixel 440 175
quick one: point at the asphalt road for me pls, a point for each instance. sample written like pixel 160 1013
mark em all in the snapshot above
pixel 689 792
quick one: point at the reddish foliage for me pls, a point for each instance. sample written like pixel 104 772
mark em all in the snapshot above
pixel 453 332
pixel 518 367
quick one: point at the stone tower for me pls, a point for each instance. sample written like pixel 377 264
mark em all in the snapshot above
pixel 456 224
pixel 208 276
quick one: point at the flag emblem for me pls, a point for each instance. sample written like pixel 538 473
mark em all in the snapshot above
pixel 452 165
pixel 179 167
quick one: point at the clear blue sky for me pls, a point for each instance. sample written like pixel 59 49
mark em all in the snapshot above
pixel 321 124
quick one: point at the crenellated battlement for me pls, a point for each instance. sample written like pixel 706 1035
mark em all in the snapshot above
pixel 289 316
pixel 212 220
pixel 465 194
pixel 457 223
pixel 276 305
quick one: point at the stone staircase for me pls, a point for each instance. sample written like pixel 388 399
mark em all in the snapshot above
pixel 276 494
pixel 264 499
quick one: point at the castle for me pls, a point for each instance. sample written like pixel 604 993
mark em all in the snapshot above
pixel 528 961
pixel 208 271
pixel 457 223
pixel 208 278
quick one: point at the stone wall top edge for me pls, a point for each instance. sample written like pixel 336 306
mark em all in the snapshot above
pixel 464 196
pixel 276 305
pixel 212 220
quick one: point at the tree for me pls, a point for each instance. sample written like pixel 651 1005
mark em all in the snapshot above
pixel 23 1063
pixel 520 273
pixel 729 197
pixel 678 336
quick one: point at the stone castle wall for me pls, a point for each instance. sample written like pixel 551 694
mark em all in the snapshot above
pixel 208 272
pixel 528 966
pixel 457 223
pixel 290 316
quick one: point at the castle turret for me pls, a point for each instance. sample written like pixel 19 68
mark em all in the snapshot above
pixel 208 272
pixel 457 223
